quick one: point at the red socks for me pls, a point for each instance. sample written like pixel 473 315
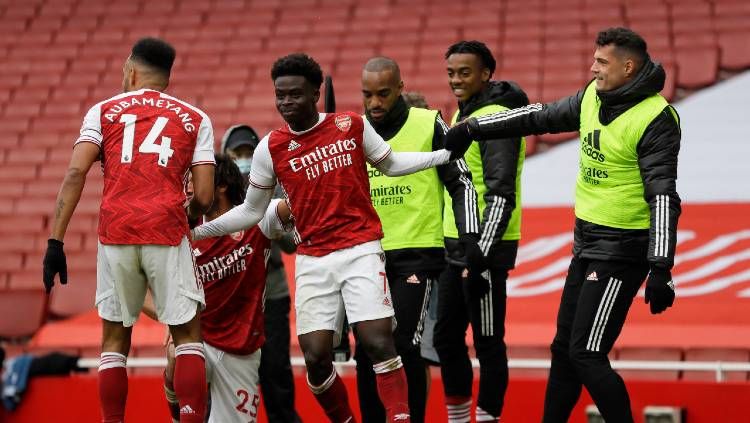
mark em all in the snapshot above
pixel 392 388
pixel 332 396
pixel 113 387
pixel 190 382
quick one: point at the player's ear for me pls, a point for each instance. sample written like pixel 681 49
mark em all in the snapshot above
pixel 316 95
pixel 486 74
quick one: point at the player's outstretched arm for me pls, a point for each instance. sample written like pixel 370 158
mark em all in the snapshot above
pixel 244 216
pixel 561 116
pixel 84 155
pixel 391 163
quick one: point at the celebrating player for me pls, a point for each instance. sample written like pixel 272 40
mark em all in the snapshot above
pixel 626 209
pixel 232 269
pixel 147 142
pixel 319 159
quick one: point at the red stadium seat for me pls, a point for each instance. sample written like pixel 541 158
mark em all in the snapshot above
pixel 650 354
pixel 17 173
pixel 735 51
pixel 690 9
pixel 10 262
pixel 20 225
pixel 716 354
pixel 689 25
pixel 698 67
pixel 10 190
pixel 78 295
pixel 670 84
pixel 22 311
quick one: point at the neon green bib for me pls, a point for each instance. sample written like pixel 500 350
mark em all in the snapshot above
pixel 609 188
pixel 410 207
pixel 473 159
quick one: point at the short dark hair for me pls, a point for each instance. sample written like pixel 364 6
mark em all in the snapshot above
pixel 382 63
pixel 626 40
pixel 298 64
pixel 154 52
pixel 227 174
pixel 476 48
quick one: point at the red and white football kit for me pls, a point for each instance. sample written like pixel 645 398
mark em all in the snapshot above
pixel 149 141
pixel 232 269
pixel 340 263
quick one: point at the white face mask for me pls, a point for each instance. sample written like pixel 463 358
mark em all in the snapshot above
pixel 244 164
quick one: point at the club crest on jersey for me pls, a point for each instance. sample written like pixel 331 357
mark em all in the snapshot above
pixel 343 122
pixel 237 235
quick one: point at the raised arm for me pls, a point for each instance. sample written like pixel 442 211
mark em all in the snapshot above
pixel 560 116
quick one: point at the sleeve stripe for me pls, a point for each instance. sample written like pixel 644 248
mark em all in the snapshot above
pixel 387 153
pixel 662 226
pixel 256 185
pixel 505 115
pixel 470 198
pixel 91 140
pixel 492 223
pixel 442 124
pixel 202 162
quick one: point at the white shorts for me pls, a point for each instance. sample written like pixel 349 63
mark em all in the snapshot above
pixel 351 280
pixel 233 384
pixel 125 272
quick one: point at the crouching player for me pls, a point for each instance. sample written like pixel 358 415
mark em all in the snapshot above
pixel 232 269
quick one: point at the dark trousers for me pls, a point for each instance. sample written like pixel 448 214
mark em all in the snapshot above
pixel 457 308
pixel 594 304
pixel 276 379
pixel 410 300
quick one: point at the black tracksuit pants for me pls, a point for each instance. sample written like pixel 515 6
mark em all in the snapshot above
pixel 410 298
pixel 593 307
pixel 457 308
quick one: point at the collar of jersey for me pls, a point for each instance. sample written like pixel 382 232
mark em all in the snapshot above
pixel 321 118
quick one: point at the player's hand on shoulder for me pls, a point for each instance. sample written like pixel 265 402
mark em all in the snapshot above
pixel 54 263
pixel 659 290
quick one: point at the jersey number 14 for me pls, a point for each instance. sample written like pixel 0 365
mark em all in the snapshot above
pixel 149 144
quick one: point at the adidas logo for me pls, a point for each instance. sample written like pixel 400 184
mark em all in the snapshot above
pixel 412 279
pixel 187 410
pixel 592 276
pixel 293 145
pixel 400 417
pixel 196 252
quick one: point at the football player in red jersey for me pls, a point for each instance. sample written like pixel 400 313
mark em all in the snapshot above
pixel 148 142
pixel 232 269
pixel 319 160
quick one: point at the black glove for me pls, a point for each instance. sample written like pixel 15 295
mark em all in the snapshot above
pixel 472 253
pixel 54 262
pixel 459 138
pixel 659 290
